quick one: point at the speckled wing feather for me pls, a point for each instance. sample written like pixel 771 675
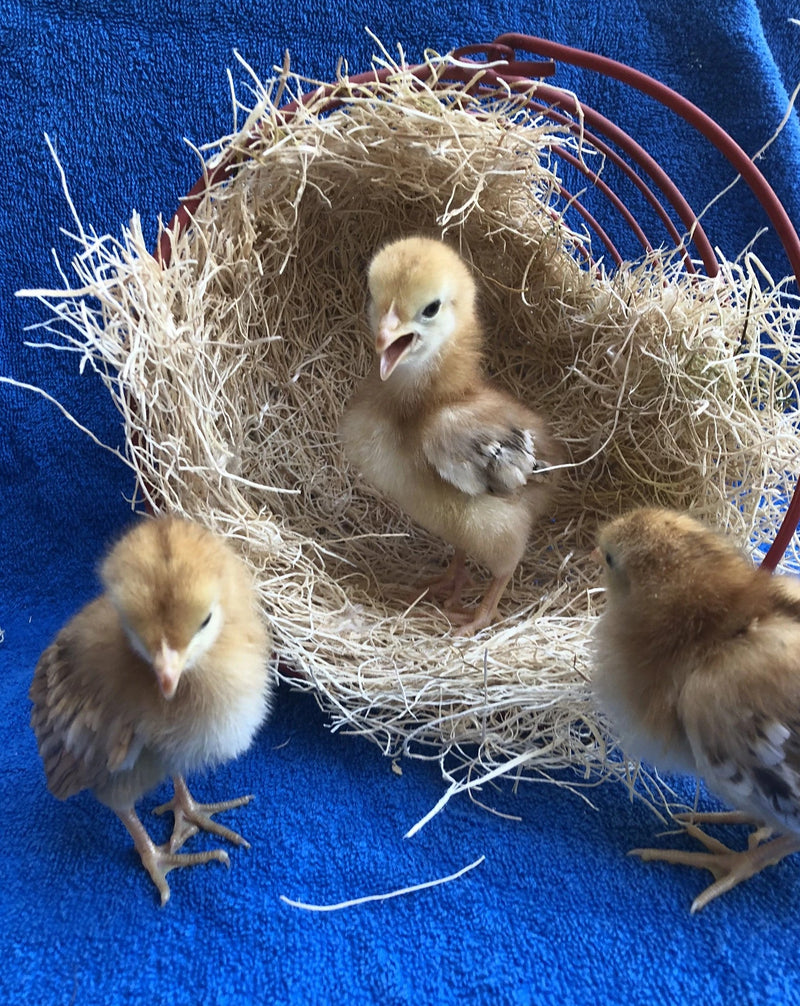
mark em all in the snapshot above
pixel 82 742
pixel 489 446
pixel 743 722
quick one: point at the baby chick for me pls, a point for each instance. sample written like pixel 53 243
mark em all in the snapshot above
pixel 461 457
pixel 699 666
pixel 163 674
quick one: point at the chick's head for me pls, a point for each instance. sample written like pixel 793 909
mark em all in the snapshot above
pixel 421 295
pixel 168 580
pixel 664 567
pixel 644 549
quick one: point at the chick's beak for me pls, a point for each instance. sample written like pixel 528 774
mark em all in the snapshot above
pixel 168 664
pixel 595 554
pixel 391 342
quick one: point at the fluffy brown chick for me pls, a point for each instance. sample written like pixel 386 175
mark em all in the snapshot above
pixel 164 674
pixel 698 664
pixel 464 459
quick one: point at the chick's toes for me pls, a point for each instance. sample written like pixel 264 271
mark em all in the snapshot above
pixel 472 620
pixel 728 866
pixel 191 817
pixel 158 860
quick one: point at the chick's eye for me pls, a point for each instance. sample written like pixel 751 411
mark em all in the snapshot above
pixel 205 622
pixel 432 309
pixel 609 559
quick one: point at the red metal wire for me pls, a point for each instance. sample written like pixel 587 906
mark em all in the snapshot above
pixel 611 196
pixel 598 144
pixel 728 147
pixel 595 225
pixel 703 123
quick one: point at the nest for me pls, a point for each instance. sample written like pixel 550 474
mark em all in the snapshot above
pixel 231 364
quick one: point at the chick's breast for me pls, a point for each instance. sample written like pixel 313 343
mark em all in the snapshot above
pixel 222 701
pixel 216 719
pixel 490 528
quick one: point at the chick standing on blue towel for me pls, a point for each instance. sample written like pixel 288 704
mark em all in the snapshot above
pixel 698 664
pixel 164 674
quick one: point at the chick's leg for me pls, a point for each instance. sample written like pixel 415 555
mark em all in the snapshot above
pixel 449 584
pixel 472 621
pixel 728 866
pixel 158 860
pixel 191 817
pixel 759 834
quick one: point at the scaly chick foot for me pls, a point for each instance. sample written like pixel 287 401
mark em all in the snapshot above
pixel 158 860
pixel 191 817
pixel 470 620
pixel 728 866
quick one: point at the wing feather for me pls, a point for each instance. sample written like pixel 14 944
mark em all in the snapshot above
pixel 493 445
pixel 82 740
pixel 742 719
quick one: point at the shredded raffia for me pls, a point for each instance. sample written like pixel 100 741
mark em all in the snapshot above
pixel 230 367
pixel 384 897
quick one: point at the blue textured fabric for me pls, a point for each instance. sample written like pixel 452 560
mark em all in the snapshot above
pixel 556 913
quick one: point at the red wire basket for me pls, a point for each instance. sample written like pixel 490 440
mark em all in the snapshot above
pixel 514 61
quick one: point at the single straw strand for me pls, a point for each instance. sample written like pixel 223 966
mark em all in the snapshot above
pixel 463 787
pixel 383 897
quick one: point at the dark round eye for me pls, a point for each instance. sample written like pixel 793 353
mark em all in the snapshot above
pixel 432 309
pixel 205 622
pixel 609 558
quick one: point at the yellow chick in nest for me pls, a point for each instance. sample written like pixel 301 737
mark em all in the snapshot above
pixel 464 459
pixel 698 664
pixel 163 674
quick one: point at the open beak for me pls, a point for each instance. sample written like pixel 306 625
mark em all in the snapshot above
pixel 392 343
pixel 168 665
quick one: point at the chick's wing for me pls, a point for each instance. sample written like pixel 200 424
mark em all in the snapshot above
pixel 484 445
pixel 83 735
pixel 742 719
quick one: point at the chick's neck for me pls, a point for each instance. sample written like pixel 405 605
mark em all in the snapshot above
pixel 702 612
pixel 449 377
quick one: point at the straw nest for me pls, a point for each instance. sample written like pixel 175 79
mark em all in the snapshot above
pixel 231 365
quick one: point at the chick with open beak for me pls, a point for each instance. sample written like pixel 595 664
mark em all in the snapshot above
pixel 463 458
pixel 394 341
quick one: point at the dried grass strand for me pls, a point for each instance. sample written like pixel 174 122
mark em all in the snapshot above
pixel 384 897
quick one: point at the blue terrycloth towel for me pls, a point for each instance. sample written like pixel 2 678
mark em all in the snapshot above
pixel 556 912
